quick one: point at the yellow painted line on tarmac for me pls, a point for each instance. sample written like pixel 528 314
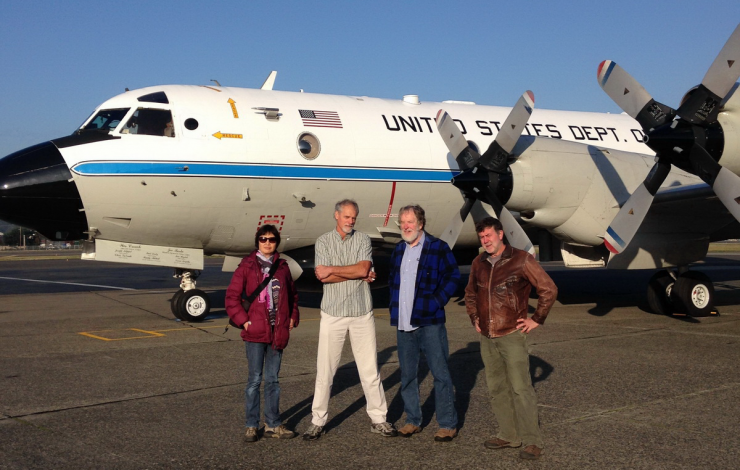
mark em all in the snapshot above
pixel 148 334
pixel 124 334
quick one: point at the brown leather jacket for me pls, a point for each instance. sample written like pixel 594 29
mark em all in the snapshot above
pixel 496 297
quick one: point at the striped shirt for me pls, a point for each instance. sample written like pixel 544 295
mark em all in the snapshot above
pixel 348 298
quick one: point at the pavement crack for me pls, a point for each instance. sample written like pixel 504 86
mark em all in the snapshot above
pixel 636 406
pixel 122 400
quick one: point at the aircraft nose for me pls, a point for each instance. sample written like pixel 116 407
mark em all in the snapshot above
pixel 37 191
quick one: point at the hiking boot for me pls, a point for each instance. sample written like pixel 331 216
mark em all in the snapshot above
pixel 531 452
pixel 313 432
pixel 496 443
pixel 384 429
pixel 445 435
pixel 280 432
pixel 251 435
pixel 409 429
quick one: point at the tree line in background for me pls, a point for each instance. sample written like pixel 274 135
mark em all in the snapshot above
pixel 21 236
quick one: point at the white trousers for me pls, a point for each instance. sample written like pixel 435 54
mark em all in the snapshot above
pixel 332 332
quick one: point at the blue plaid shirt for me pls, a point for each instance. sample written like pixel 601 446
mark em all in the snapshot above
pixel 436 281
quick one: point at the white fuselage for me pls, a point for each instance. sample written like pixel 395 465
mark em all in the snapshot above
pixel 210 187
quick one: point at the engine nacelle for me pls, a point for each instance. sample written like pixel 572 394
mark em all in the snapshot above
pixel 573 190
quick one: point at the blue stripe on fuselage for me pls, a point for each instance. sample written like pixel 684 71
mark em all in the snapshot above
pixel 230 170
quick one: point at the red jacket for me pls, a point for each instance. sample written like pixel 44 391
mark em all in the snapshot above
pixel 245 280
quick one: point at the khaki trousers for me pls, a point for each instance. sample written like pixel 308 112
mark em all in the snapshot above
pixel 513 399
pixel 332 332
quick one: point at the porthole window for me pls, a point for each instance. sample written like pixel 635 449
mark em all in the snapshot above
pixel 191 124
pixel 308 146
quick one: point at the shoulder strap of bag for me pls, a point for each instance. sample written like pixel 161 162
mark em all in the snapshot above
pixel 263 284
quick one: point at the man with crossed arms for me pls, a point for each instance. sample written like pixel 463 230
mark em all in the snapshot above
pixel 343 263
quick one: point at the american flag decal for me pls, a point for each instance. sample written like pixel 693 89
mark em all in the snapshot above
pixel 313 118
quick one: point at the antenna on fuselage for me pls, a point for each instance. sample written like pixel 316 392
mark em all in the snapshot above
pixel 216 82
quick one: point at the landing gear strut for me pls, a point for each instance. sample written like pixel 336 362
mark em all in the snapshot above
pixel 686 292
pixel 188 303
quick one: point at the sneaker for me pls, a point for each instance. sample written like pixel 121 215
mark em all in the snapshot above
pixel 531 452
pixel 280 432
pixel 251 435
pixel 496 443
pixel 409 429
pixel 313 432
pixel 384 429
pixel 445 435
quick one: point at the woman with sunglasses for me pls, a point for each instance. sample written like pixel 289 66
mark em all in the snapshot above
pixel 267 323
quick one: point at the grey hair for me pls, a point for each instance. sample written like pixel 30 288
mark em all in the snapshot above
pixel 346 202
pixel 418 212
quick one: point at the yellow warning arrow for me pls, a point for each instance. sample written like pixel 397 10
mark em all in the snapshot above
pixel 233 108
pixel 219 135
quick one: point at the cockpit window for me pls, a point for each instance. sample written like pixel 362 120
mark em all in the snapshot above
pixel 158 97
pixel 147 121
pixel 106 120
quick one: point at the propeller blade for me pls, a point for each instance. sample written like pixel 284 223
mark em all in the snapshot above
pixel 630 216
pixel 498 152
pixel 724 183
pixel 701 105
pixel 629 95
pixel 452 232
pixel 725 70
pixel 465 156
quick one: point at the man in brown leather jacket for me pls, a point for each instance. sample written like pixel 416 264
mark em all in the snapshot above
pixel 497 299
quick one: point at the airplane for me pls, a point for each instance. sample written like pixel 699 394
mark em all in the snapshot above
pixel 164 175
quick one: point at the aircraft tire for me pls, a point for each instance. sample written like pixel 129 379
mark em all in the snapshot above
pixel 194 305
pixel 173 303
pixel 694 291
pixel 659 293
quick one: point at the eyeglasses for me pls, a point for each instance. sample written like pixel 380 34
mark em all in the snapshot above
pixel 267 239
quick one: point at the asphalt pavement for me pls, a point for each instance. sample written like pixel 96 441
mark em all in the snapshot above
pixel 96 373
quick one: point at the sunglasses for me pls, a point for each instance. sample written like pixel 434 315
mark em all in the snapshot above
pixel 267 239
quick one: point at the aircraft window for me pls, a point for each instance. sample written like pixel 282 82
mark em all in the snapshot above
pixel 150 122
pixel 158 97
pixel 191 124
pixel 474 146
pixel 106 120
pixel 309 146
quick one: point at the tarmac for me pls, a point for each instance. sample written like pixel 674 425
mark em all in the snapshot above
pixel 101 377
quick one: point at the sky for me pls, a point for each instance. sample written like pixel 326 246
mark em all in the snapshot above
pixel 59 60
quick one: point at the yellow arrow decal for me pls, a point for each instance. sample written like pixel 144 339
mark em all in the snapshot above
pixel 233 108
pixel 220 136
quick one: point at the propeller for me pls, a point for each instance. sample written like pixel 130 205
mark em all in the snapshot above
pixel 483 177
pixel 684 137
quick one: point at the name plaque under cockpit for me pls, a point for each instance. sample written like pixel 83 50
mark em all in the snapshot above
pixel 137 253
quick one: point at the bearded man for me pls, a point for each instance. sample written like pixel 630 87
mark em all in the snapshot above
pixel 423 277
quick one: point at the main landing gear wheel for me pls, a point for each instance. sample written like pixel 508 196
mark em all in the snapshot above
pixel 694 294
pixel 192 305
pixel 659 292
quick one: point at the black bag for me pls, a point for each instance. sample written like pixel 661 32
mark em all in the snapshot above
pixel 250 298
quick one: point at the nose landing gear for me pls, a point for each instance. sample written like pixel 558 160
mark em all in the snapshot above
pixel 188 303
pixel 683 292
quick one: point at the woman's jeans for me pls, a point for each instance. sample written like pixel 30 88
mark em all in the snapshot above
pixel 261 357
